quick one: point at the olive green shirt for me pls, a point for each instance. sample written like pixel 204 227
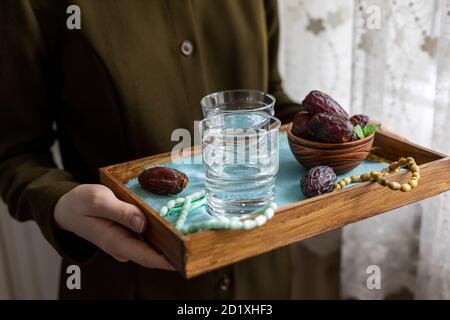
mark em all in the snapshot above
pixel 114 91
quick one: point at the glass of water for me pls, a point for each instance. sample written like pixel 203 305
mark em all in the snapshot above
pixel 238 101
pixel 240 152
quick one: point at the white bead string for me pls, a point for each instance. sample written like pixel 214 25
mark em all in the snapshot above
pixel 183 206
pixel 175 206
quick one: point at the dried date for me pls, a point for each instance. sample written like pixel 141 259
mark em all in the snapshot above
pixel 300 125
pixel 317 181
pixel 318 102
pixel 330 128
pixel 163 181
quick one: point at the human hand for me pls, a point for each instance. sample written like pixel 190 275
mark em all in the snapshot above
pixel 94 213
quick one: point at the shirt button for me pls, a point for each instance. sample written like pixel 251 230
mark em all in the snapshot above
pixel 187 48
pixel 224 283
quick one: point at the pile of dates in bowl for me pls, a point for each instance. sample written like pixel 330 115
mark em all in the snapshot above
pixel 324 134
pixel 324 120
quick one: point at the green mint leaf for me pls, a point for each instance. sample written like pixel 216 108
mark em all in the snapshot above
pixel 359 131
pixel 371 129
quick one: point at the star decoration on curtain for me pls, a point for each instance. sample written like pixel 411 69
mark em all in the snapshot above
pixel 366 43
pixel 315 26
pixel 429 46
pixel 335 19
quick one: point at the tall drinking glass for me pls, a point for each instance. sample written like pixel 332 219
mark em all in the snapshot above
pixel 238 101
pixel 240 152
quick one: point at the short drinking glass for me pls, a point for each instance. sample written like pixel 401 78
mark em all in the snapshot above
pixel 240 153
pixel 238 101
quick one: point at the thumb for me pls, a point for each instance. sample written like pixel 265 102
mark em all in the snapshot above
pixel 125 214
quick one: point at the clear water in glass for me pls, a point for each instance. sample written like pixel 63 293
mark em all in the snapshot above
pixel 240 153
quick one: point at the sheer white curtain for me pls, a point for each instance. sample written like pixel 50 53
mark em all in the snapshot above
pixel 29 266
pixel 396 69
pixel 316 53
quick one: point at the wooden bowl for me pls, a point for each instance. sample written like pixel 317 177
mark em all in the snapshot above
pixel 342 157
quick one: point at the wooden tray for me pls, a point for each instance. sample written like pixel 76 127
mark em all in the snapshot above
pixel 206 251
